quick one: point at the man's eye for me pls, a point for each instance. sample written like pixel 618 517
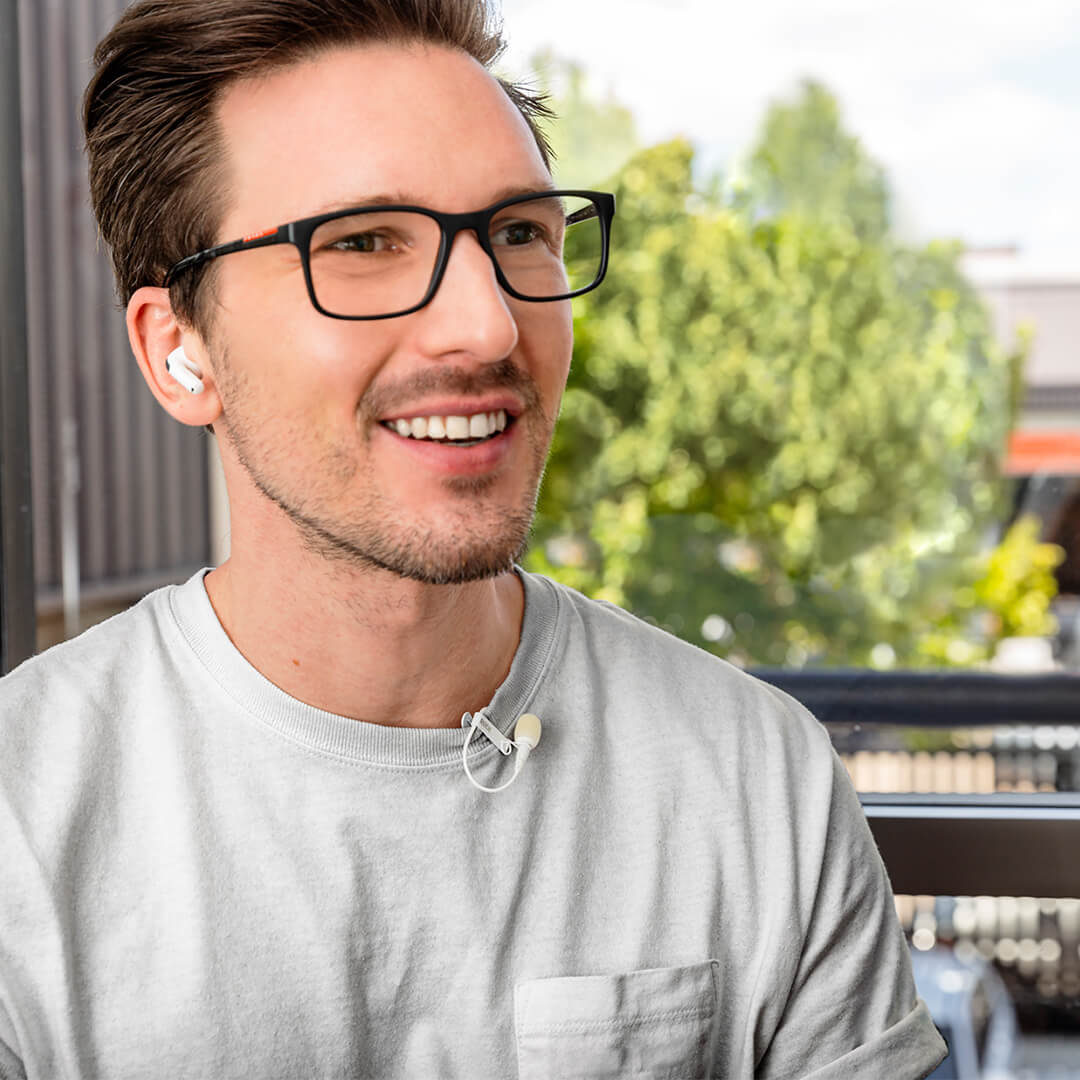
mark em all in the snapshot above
pixel 364 243
pixel 517 233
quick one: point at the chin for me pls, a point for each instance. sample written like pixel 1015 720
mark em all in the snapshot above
pixel 469 547
pixel 465 568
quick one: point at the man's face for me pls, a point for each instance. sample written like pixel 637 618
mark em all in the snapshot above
pixel 310 403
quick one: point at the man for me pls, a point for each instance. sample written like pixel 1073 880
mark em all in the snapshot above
pixel 241 825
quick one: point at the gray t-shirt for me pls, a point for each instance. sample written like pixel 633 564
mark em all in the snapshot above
pixel 201 876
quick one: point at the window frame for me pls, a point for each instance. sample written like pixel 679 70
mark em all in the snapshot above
pixel 937 845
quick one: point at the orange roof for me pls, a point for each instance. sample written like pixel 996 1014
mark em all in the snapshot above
pixel 1043 452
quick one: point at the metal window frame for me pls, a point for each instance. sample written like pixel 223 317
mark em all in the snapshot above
pixel 938 698
pixel 1006 844
pixel 17 619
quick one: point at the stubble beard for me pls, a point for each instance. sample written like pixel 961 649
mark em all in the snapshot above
pixel 474 542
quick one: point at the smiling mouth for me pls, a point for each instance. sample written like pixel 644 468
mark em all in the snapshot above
pixel 452 430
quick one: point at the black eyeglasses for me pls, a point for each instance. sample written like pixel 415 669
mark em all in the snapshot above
pixel 378 262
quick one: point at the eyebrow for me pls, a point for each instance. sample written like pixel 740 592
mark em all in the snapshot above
pixel 400 199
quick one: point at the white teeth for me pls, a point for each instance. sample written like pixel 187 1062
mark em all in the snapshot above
pixel 476 426
pixel 457 427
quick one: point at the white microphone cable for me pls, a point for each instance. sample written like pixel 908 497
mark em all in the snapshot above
pixel 526 736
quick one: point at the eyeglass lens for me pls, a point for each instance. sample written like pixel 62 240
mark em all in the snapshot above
pixel 379 262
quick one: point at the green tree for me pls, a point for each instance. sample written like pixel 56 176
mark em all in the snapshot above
pixel 781 435
pixel 806 163
pixel 591 139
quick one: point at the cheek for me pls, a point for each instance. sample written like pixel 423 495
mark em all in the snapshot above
pixel 294 356
pixel 547 333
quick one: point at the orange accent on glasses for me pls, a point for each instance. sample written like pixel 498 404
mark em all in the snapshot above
pixel 259 235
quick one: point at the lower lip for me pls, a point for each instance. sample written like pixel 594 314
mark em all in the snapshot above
pixel 450 460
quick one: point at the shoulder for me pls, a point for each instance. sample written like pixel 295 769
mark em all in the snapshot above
pixel 85 667
pixel 60 711
pixel 667 729
pixel 677 688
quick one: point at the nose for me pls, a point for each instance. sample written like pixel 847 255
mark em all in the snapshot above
pixel 469 314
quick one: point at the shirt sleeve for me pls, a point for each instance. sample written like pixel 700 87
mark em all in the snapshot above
pixel 852 1010
pixel 11 1068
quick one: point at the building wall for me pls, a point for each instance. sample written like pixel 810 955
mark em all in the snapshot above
pixel 1052 308
pixel 140 514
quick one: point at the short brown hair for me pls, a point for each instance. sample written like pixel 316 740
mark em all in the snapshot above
pixel 151 137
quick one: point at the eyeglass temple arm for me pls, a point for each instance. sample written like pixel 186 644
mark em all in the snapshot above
pixel 586 212
pixel 253 240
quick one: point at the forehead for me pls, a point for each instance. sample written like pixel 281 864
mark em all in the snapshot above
pixel 423 122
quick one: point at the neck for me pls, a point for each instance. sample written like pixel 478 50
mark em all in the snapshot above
pixel 365 643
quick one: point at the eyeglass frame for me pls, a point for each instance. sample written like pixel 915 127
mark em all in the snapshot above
pixel 299 233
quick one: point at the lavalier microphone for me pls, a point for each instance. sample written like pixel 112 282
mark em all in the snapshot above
pixel 526 736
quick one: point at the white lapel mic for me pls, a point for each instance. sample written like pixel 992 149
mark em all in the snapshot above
pixel 526 736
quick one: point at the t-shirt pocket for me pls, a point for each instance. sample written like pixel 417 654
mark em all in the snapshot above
pixel 659 1023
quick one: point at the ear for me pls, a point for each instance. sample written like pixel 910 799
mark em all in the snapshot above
pixel 154 332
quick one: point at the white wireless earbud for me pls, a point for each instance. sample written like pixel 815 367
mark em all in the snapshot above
pixel 186 373
pixel 526 736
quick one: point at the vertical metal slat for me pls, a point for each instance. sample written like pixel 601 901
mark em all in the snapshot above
pixel 17 623
pixel 63 349
pixel 43 451
pixel 86 268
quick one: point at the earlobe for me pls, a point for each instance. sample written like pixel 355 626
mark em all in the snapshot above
pixel 171 358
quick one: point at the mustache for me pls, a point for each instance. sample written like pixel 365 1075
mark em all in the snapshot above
pixel 502 375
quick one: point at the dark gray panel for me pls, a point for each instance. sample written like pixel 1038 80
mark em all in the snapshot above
pixel 143 511
pixel 944 698
pixel 16 551
pixel 971 845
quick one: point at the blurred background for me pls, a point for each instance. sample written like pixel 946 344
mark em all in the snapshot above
pixel 835 370
pixel 823 416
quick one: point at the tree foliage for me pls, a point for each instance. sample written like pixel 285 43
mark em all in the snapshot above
pixel 782 432
pixel 805 162
pixel 593 138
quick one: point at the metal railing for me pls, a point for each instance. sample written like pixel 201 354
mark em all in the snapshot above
pixel 994 844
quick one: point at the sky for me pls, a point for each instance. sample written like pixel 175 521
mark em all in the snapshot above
pixel 973 108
